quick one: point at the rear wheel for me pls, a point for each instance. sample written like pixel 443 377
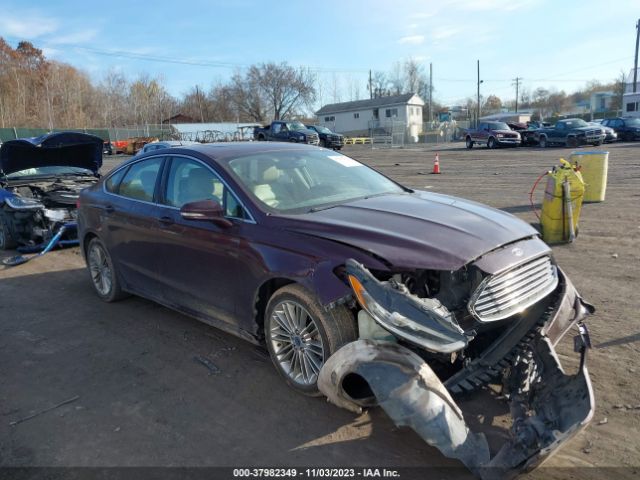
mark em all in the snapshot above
pixel 103 274
pixel 301 335
pixel 469 142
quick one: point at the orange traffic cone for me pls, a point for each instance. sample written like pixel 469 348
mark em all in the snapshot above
pixel 436 165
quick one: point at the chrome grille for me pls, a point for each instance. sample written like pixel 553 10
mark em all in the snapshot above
pixel 505 294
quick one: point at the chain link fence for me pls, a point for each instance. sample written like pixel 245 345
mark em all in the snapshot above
pixel 389 134
pixel 437 133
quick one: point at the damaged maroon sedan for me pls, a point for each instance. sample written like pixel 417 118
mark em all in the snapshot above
pixel 361 289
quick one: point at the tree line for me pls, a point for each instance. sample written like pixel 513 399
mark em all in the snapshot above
pixel 39 92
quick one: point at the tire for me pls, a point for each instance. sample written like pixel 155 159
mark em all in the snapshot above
pixel 572 142
pixel 491 143
pixel 469 142
pixel 298 350
pixel 102 272
pixel 7 242
pixel 597 144
pixel 322 143
pixel 543 142
pixel 261 138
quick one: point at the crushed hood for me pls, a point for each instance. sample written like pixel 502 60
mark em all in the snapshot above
pixel 61 149
pixel 416 230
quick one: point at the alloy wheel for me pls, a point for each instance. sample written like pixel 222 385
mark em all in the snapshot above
pixel 101 273
pixel 296 342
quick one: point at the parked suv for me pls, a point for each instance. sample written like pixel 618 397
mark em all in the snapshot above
pixel 626 128
pixel 493 135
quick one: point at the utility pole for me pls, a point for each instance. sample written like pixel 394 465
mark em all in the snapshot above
pixel 430 90
pixel 370 86
pixel 479 82
pixel 635 65
pixel 517 81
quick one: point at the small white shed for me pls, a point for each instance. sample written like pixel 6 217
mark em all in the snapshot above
pixel 359 116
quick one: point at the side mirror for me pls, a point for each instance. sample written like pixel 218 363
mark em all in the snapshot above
pixel 209 210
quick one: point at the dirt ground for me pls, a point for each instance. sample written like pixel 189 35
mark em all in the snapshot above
pixel 145 401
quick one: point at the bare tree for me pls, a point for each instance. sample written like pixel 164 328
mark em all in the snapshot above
pixel 492 104
pixel 273 89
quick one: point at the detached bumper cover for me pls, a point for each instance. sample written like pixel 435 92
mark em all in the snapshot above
pixel 547 406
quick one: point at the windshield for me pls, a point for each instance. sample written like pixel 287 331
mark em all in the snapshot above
pixel 296 126
pixel 576 123
pixel 322 129
pixel 302 181
pixel 50 171
pixel 633 122
pixel 499 126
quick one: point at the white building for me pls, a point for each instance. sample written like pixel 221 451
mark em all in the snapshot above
pixel 630 100
pixel 356 118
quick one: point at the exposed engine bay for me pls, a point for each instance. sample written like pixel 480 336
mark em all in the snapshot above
pixel 40 182
pixel 426 336
pixel 35 210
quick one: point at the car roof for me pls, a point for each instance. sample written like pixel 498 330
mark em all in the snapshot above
pixel 223 152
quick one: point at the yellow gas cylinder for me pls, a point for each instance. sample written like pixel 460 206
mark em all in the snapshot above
pixel 562 203
pixel 593 166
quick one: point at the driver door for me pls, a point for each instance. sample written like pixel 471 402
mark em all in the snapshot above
pixel 201 265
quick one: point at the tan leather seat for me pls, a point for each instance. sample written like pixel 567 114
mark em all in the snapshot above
pixel 264 190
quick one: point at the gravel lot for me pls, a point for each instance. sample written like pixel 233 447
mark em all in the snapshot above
pixel 144 400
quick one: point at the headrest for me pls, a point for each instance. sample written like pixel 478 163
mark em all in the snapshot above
pixel 270 174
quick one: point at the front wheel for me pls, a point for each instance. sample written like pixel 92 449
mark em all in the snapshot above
pixel 7 242
pixel 301 335
pixel 572 142
pixel 543 142
pixel 491 143
pixel 469 142
pixel 103 274
pixel 597 144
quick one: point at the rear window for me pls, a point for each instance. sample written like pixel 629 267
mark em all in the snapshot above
pixel 113 182
pixel 140 181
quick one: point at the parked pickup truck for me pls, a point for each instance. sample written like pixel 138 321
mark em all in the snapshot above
pixel 570 132
pixel 280 131
pixel 493 135
pixel 328 139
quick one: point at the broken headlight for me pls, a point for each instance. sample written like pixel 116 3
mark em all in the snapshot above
pixel 20 203
pixel 424 322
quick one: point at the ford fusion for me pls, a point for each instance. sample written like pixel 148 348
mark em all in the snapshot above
pixel 361 289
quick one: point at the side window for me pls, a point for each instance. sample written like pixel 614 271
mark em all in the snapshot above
pixel 190 181
pixel 276 128
pixel 113 182
pixel 140 181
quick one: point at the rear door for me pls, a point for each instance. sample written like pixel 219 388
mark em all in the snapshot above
pixel 130 225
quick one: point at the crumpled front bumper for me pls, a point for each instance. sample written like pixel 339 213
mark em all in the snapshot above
pixel 547 406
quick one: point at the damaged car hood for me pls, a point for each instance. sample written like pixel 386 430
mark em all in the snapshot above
pixel 416 230
pixel 61 149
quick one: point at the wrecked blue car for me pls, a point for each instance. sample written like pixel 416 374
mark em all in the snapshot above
pixel 40 181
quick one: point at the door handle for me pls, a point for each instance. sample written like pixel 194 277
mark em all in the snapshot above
pixel 165 220
pixel 109 209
